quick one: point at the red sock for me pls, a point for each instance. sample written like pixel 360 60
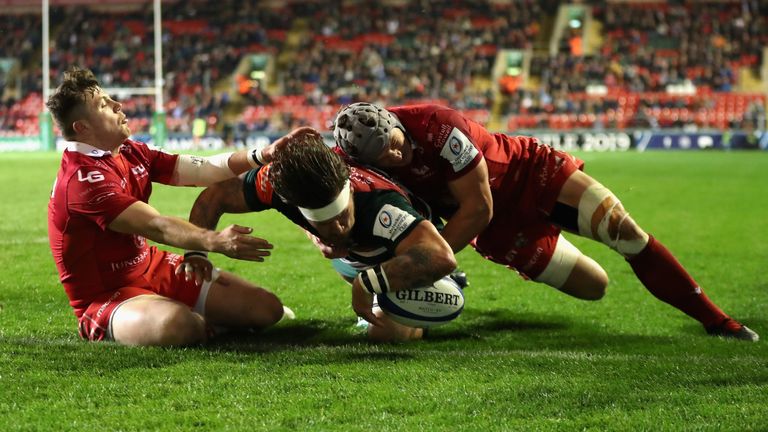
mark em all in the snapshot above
pixel 666 279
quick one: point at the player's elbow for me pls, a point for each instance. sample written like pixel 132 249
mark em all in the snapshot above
pixel 480 211
pixel 484 212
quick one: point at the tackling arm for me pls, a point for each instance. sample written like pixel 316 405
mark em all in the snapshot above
pixel 473 193
pixel 204 171
pixel 142 219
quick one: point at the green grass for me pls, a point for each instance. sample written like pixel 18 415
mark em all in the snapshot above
pixel 521 357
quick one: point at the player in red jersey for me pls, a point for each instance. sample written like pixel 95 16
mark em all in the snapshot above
pixel 99 218
pixel 510 197
pixel 388 244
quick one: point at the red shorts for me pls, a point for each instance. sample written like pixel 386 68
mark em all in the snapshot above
pixel 520 235
pixel 160 279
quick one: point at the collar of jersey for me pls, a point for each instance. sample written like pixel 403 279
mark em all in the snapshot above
pixel 86 149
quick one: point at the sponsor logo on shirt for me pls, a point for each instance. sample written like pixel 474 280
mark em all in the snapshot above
pixel 391 222
pixel 90 177
pixel 173 259
pixel 458 150
pixel 139 171
pixel 130 262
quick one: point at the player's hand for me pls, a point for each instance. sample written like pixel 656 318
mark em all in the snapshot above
pixel 196 267
pixel 329 252
pixel 236 242
pixel 268 152
pixel 362 303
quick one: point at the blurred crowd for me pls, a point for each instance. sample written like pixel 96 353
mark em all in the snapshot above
pixel 652 57
pixel 329 53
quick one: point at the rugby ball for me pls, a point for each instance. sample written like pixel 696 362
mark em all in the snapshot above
pixel 429 306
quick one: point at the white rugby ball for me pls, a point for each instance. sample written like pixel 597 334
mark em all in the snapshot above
pixel 429 306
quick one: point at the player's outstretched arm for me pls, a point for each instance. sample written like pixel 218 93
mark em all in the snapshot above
pixel 473 193
pixel 420 259
pixel 234 241
pixel 206 170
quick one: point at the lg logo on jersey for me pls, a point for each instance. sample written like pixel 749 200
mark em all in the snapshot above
pixel 91 177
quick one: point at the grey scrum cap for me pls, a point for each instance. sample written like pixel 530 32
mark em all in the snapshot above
pixel 362 130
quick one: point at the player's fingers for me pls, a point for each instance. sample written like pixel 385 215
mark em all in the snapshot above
pixel 241 229
pixel 254 242
pixel 372 318
pixel 251 253
pixel 252 258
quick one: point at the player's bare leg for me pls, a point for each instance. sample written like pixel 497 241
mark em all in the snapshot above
pixel 157 321
pixel 236 303
pixel 602 217
pixel 587 280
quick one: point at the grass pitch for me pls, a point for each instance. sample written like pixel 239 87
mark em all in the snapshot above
pixel 521 357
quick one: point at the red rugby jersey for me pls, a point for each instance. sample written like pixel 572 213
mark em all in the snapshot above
pixel 447 146
pixel 92 188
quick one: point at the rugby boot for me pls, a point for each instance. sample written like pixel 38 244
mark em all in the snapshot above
pixel 733 329
pixel 460 278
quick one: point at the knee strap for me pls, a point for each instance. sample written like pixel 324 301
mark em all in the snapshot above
pixel 596 201
pixel 560 265
pixel 597 208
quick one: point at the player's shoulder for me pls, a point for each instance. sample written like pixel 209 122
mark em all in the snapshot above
pixel 387 215
pixel 429 112
pixel 257 188
pixel 79 166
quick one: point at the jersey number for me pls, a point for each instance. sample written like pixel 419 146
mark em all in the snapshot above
pixel 91 177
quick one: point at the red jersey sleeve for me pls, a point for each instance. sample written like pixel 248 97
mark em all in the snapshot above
pixel 456 145
pixel 161 165
pixel 97 194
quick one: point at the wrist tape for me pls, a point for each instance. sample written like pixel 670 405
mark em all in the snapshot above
pixel 255 158
pixel 189 254
pixel 374 280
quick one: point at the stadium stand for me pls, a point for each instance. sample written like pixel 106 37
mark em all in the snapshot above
pixel 648 64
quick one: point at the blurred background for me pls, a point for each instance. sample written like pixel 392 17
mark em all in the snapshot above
pixel 589 75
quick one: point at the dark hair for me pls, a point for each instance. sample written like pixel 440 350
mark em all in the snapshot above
pixel 307 173
pixel 67 101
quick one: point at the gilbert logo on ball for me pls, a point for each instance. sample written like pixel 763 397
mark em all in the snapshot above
pixel 428 306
